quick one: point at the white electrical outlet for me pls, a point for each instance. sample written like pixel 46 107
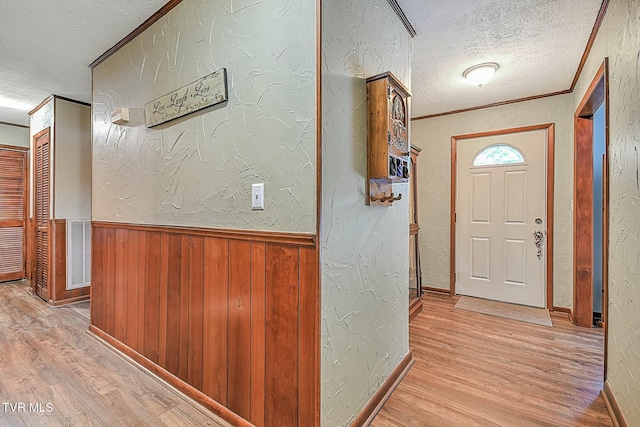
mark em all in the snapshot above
pixel 257 196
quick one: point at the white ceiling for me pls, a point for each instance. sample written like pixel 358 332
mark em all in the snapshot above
pixel 46 47
pixel 537 43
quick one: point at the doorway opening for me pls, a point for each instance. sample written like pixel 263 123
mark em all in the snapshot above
pixel 599 159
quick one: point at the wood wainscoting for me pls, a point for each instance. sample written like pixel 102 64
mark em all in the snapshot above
pixel 231 318
pixel 58 293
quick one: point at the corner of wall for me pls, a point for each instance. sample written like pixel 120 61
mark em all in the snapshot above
pixel 365 282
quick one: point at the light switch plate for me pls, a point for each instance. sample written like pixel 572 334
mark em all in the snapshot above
pixel 257 196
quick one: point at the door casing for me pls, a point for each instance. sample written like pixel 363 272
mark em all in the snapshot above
pixel 550 129
pixel 582 313
pixel 497 205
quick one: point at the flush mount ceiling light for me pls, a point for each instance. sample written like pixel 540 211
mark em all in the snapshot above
pixel 481 73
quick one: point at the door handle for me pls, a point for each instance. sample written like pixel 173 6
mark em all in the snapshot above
pixel 538 237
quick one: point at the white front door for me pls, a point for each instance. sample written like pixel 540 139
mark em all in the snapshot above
pixel 501 203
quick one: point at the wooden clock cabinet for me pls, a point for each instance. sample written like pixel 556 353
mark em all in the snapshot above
pixel 388 159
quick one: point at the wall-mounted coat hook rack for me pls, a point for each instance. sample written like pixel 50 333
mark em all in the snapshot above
pixel 379 198
pixel 384 198
pixel 381 194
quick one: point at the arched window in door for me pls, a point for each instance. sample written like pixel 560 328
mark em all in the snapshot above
pixel 498 155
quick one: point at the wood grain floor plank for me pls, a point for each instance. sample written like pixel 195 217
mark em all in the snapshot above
pixel 179 417
pixel 477 370
pixel 69 406
pixel 54 360
pixel 9 360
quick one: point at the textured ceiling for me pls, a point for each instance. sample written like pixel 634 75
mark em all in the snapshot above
pixel 46 47
pixel 538 44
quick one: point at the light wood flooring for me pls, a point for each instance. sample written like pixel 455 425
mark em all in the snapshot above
pixel 47 357
pixel 477 370
pixel 471 370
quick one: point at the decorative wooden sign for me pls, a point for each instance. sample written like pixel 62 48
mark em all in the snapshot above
pixel 205 92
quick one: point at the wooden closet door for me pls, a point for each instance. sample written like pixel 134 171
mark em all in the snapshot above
pixel 13 197
pixel 41 212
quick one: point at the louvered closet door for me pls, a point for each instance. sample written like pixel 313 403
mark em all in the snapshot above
pixel 41 211
pixel 13 166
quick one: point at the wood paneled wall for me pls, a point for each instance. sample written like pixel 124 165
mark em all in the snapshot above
pixel 58 293
pixel 233 315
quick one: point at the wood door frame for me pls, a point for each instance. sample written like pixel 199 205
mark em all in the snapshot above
pixel 33 238
pixel 550 156
pixel 414 226
pixel 415 305
pixel 583 245
pixel 26 229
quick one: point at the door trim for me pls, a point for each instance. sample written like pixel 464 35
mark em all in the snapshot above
pixel 596 94
pixel 550 128
pixel 13 148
